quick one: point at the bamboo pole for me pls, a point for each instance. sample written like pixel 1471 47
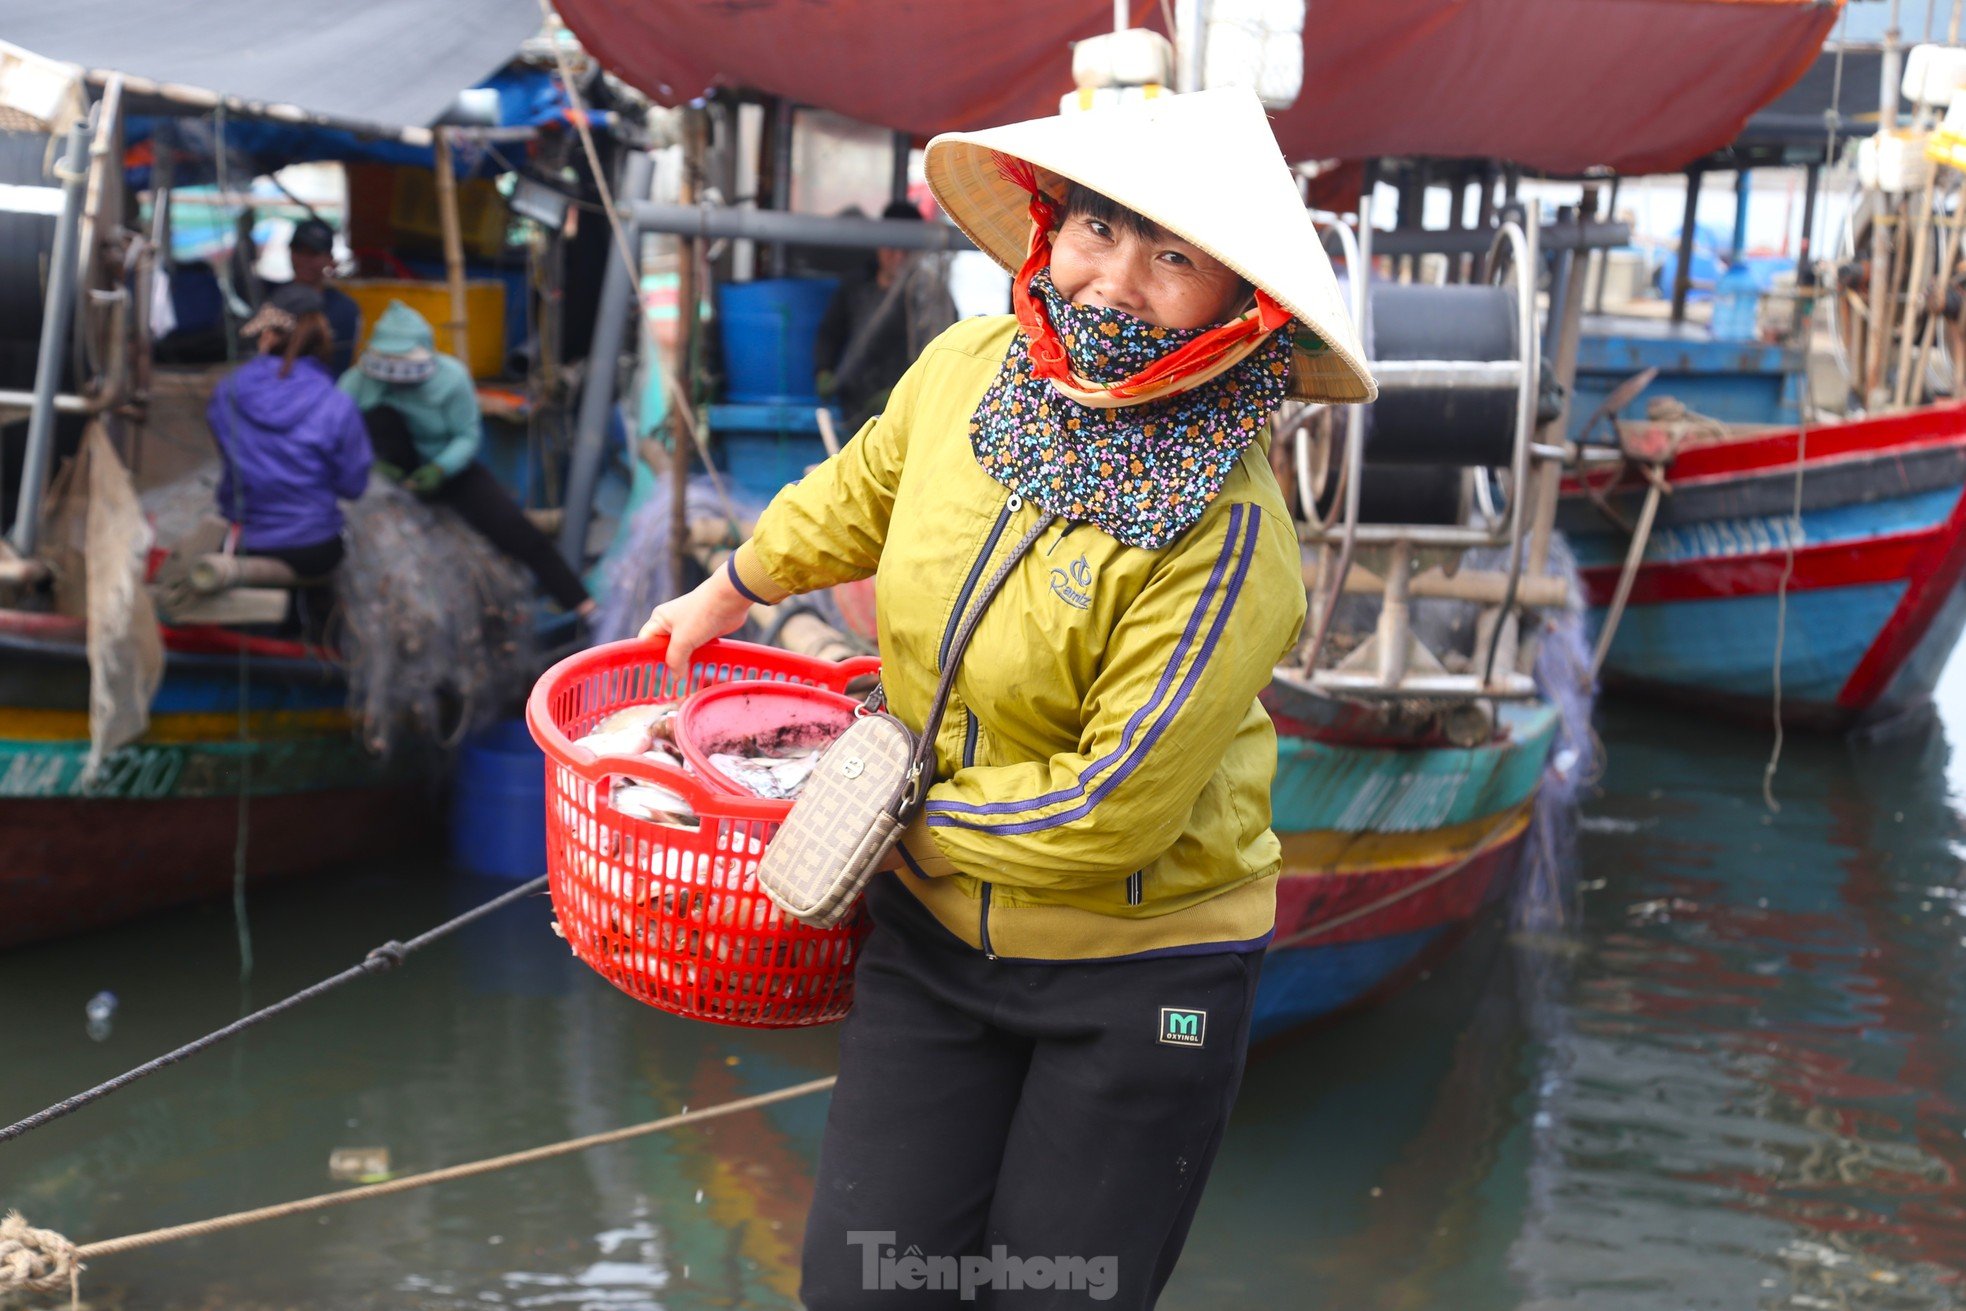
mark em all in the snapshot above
pixel 1919 376
pixel 1568 320
pixel 1882 273
pixel 222 573
pixel 715 532
pixel 21 573
pixel 689 299
pixel 459 325
pixel 1943 260
pixel 1883 279
pixel 1920 213
pixel 1641 535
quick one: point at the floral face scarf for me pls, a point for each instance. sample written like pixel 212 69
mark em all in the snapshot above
pixel 1142 473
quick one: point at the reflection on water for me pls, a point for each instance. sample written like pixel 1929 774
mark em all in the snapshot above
pixel 1737 1084
pixel 493 1041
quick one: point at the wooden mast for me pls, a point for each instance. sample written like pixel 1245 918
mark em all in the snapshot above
pixel 689 297
pixel 459 325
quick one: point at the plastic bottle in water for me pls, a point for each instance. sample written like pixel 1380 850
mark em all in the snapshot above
pixel 100 1009
pixel 1736 304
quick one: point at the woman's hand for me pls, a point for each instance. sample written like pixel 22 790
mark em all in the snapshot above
pixel 712 610
pixel 425 479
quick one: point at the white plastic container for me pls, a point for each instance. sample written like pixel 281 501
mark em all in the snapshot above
pixel 1933 73
pixel 1135 57
pixel 1257 44
pixel 1894 162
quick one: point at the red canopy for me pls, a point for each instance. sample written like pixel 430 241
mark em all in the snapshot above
pixel 1556 85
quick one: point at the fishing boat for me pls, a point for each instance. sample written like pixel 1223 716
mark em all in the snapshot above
pixel 164 819
pixel 1416 727
pixel 247 759
pixel 1810 566
pixel 1853 605
pixel 1391 856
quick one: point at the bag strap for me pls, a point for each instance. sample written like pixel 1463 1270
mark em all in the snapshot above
pixel 922 767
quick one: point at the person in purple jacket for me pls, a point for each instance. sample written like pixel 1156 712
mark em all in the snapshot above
pixel 293 447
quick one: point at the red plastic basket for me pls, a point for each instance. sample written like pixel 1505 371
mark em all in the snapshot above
pixel 674 916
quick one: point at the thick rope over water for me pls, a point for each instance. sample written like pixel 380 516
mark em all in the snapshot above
pixel 35 1260
pixel 42 1261
pixel 384 958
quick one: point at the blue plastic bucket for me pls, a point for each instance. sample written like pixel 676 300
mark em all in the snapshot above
pixel 764 447
pixel 498 804
pixel 764 463
pixel 768 328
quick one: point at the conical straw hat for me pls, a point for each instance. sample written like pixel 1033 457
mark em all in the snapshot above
pixel 1205 167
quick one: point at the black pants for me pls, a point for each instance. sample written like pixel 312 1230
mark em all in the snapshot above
pixel 1052 1123
pixel 309 607
pixel 482 503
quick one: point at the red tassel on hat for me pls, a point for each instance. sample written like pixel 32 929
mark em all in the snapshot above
pixel 1049 358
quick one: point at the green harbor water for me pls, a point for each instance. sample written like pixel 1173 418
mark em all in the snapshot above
pixel 1736 1083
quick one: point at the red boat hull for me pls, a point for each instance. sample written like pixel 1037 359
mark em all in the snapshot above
pixel 71 863
pixel 1859 599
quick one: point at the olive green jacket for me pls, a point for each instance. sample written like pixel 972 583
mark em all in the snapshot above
pixel 1104 768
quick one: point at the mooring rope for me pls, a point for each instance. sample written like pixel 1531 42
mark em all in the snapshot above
pixel 43 1261
pixel 35 1260
pixel 384 958
pixel 1832 120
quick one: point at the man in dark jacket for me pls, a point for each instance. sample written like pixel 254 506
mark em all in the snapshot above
pixel 311 248
pixel 875 327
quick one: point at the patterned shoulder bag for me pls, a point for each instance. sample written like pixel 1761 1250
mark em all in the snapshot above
pixel 865 789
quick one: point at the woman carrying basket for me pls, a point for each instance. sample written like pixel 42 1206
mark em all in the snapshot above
pixel 1052 1011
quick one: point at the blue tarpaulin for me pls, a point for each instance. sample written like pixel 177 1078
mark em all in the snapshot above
pixel 378 64
pixel 527 97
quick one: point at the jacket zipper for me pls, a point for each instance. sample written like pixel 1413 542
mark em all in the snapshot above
pixel 988 954
pixel 969 758
pixel 1010 507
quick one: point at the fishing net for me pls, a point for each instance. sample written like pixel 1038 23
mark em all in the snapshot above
pixel 1546 894
pixel 177 507
pixel 435 625
pixel 642 575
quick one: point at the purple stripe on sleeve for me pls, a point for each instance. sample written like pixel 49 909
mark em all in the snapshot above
pixel 730 567
pixel 1166 717
pixel 1139 716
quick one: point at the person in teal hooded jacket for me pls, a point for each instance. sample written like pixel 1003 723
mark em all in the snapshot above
pixel 421 410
